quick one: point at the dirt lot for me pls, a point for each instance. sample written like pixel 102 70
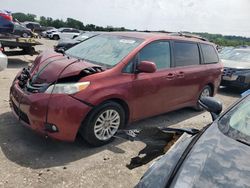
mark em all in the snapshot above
pixel 28 160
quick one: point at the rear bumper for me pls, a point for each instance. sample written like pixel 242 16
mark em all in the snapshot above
pixel 35 110
pixel 234 83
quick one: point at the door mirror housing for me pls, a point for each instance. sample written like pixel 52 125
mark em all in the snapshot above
pixel 211 105
pixel 61 50
pixel 146 66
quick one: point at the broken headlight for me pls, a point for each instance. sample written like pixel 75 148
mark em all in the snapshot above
pixel 67 88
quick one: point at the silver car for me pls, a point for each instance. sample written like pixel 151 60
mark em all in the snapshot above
pixel 3 60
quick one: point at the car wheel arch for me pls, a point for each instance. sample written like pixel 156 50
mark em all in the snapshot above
pixel 86 123
pixel 119 101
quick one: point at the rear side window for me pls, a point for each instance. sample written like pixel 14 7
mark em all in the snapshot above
pixel 66 31
pixel 209 54
pixel 186 54
pixel 157 52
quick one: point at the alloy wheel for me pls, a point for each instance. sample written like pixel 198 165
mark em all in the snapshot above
pixel 205 93
pixel 106 124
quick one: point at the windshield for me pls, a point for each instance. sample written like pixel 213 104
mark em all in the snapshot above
pixel 236 123
pixel 242 55
pixel 84 36
pixel 107 50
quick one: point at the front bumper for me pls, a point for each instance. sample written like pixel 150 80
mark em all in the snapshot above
pixel 37 110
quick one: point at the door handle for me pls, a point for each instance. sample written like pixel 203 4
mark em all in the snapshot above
pixel 180 74
pixel 170 76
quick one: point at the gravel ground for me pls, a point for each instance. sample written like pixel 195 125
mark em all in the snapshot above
pixel 28 160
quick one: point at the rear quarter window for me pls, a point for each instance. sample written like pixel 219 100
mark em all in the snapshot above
pixel 209 54
pixel 186 54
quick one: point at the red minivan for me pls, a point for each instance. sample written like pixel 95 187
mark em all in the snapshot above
pixel 105 82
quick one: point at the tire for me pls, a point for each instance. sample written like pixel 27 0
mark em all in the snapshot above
pixel 25 35
pixel 205 92
pixel 56 37
pixel 96 134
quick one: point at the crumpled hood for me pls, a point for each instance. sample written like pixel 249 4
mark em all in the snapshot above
pixel 236 64
pixel 216 160
pixel 49 67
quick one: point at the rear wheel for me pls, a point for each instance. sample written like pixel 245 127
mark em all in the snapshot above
pixel 25 35
pixel 102 123
pixel 56 37
pixel 205 92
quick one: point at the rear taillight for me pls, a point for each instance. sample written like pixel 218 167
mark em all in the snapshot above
pixel 6 16
pixel 1 49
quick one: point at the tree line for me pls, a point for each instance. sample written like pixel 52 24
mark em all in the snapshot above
pixel 57 23
pixel 226 40
pixel 70 22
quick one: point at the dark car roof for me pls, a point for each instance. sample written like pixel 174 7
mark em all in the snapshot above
pixel 157 35
pixel 215 160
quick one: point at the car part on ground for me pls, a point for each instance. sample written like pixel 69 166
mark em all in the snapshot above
pixel 3 59
pixel 236 67
pixel 157 140
pixel 127 73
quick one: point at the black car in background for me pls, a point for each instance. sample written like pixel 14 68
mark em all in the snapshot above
pixel 22 31
pixel 236 67
pixel 216 156
pixel 67 43
pixel 35 27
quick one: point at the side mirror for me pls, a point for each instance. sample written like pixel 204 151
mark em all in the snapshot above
pixel 146 66
pixel 211 105
pixel 61 50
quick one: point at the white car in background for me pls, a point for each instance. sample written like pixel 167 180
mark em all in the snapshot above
pixel 48 31
pixel 64 33
pixel 3 60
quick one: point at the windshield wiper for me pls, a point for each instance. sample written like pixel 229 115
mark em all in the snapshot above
pixel 243 142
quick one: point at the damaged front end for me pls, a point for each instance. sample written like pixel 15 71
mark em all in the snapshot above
pixel 39 81
pixel 42 96
pixel 158 141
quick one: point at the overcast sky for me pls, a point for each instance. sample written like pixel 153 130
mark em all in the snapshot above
pixel 231 17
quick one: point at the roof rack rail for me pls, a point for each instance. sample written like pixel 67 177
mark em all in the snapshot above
pixel 188 35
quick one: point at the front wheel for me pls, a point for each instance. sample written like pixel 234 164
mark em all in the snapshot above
pixel 205 92
pixel 102 123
